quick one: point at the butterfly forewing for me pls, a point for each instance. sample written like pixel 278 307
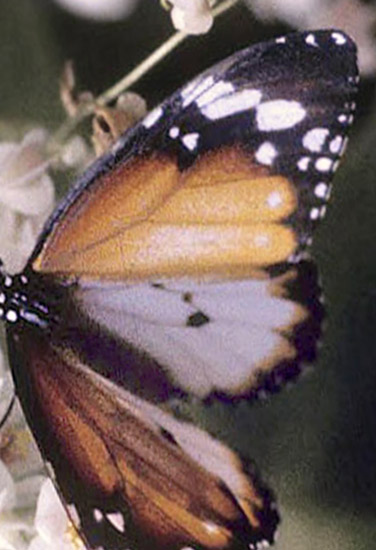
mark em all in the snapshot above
pixel 216 194
pixel 178 266
pixel 277 112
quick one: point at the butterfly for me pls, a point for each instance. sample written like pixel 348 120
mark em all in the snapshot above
pixel 177 267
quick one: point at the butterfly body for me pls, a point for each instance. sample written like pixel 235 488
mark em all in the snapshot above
pixel 177 266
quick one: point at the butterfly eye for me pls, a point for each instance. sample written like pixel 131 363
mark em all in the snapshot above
pixel 179 267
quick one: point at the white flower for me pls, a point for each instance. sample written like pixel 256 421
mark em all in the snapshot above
pixel 99 10
pixel 17 502
pixel 26 197
pixel 55 531
pixel 20 471
pixel 191 16
pixel 20 478
pixel 18 449
pixel 293 12
pixel 7 489
pixel 75 154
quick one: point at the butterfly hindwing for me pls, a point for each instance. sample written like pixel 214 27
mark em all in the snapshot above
pixel 131 474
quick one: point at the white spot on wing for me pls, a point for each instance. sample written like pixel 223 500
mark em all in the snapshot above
pixel 303 163
pixel 152 117
pixel 321 190
pixel 11 316
pixel 98 516
pixel 262 545
pixel 311 40
pixel 314 139
pixel 339 38
pixel 174 132
pixel 279 114
pixel 218 90
pixel 335 145
pixel 194 89
pixel 323 164
pixel 281 40
pixel 188 89
pixel 266 153
pixel 190 140
pixel 314 213
pixel 231 104
pixel 117 520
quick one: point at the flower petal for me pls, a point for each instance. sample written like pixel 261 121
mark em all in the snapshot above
pixel 192 17
pixel 51 520
pixel 7 489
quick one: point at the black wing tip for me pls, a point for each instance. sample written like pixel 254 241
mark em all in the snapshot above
pixel 269 519
pixel 334 45
pixel 267 516
pixel 340 46
pixel 332 38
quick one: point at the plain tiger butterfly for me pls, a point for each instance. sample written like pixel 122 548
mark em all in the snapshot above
pixel 178 266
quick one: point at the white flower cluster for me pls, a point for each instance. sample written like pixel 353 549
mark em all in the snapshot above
pixel 26 197
pixel 31 514
pixel 20 473
pixel 195 17
pixel 191 16
pixel 54 530
pixel 99 10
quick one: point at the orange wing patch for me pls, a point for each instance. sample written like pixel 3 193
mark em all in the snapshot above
pixel 223 216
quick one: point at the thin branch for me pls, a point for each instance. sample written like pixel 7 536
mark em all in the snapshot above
pixel 141 69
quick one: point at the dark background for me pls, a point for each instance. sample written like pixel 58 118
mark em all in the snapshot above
pixel 315 443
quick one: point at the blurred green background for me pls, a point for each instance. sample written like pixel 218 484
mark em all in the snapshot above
pixel 315 443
